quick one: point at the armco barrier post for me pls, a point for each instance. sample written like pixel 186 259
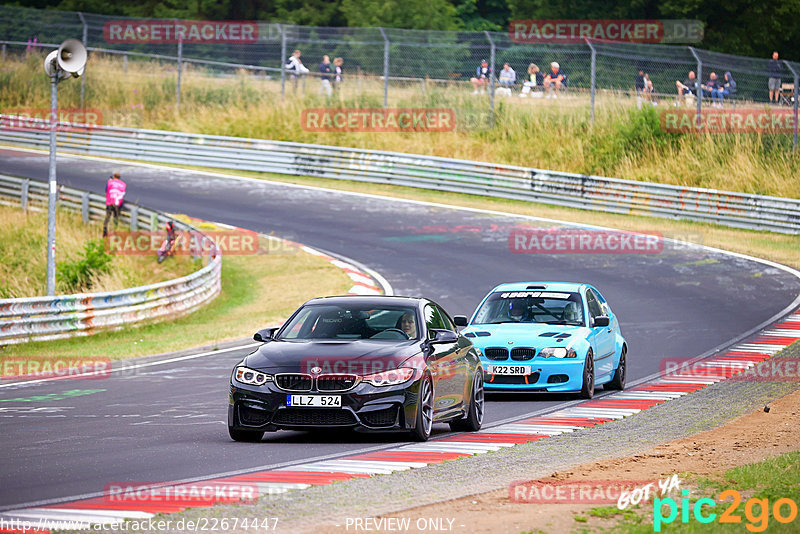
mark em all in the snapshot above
pixel 26 184
pixel 283 58
pixel 491 69
pixel 796 93
pixel 125 62
pixel 699 85
pixel 134 218
pixel 85 207
pixel 593 77
pixel 385 68
pixel 83 76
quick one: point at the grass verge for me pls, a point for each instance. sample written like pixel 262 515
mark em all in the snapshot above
pixel 256 291
pixel 745 495
pixel 557 134
pixel 23 262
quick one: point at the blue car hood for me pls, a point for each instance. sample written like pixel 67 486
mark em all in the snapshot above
pixel 536 335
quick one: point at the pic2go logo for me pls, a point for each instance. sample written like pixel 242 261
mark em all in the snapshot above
pixel 756 511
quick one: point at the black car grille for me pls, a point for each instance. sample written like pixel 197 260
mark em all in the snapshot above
pixel 293 382
pixel 385 417
pixel 515 380
pixel 313 417
pixel 496 353
pixel 521 353
pixel 336 382
pixel 253 416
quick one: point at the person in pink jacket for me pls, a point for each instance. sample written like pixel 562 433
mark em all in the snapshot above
pixel 115 193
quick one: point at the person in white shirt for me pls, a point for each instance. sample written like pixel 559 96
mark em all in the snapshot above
pixel 295 67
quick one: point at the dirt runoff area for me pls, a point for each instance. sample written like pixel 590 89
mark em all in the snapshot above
pixel 750 438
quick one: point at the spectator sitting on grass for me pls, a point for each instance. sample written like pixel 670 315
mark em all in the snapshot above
pixel 534 80
pixel 554 80
pixel 725 89
pixel 481 79
pixel 648 86
pixel 688 87
pixel 507 76
pixel 640 83
pixel 711 85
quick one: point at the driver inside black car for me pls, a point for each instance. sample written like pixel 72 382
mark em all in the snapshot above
pixel 408 324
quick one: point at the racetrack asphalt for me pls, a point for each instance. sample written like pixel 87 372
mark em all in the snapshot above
pixel 167 422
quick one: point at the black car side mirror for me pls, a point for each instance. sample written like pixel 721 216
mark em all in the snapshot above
pixel 265 334
pixel 460 320
pixel 601 320
pixel 443 336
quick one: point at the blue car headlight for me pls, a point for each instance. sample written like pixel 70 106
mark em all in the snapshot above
pixel 557 352
pixel 251 377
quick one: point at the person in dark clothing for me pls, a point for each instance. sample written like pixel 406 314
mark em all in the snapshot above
pixel 337 70
pixel 774 82
pixel 325 79
pixel 726 88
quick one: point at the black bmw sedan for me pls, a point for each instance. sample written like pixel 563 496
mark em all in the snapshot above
pixel 372 363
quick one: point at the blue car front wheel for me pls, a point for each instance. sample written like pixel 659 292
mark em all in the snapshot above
pixel 587 391
pixel 618 382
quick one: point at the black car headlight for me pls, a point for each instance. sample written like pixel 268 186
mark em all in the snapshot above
pixel 557 352
pixel 389 378
pixel 251 377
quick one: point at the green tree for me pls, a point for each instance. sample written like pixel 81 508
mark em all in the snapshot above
pixel 412 14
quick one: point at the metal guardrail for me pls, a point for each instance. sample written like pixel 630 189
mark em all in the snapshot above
pixel 44 318
pixel 757 212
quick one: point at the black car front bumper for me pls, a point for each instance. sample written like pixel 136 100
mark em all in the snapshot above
pixel 365 407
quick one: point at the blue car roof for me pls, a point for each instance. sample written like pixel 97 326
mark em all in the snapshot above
pixel 549 286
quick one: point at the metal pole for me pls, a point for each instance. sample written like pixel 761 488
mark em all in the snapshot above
pixel 125 62
pixel 178 86
pixel 385 68
pixel 491 69
pixel 51 199
pixel 83 76
pixel 283 58
pixel 796 93
pixel 593 77
pixel 4 51
pixel 699 88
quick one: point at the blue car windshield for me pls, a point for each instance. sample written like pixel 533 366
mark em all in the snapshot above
pixel 352 322
pixel 549 307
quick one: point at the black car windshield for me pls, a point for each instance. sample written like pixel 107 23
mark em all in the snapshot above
pixel 351 322
pixel 550 307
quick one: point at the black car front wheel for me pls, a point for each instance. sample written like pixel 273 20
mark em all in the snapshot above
pixel 424 421
pixel 244 435
pixel 474 419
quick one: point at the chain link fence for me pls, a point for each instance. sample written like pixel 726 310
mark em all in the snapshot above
pixel 385 65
